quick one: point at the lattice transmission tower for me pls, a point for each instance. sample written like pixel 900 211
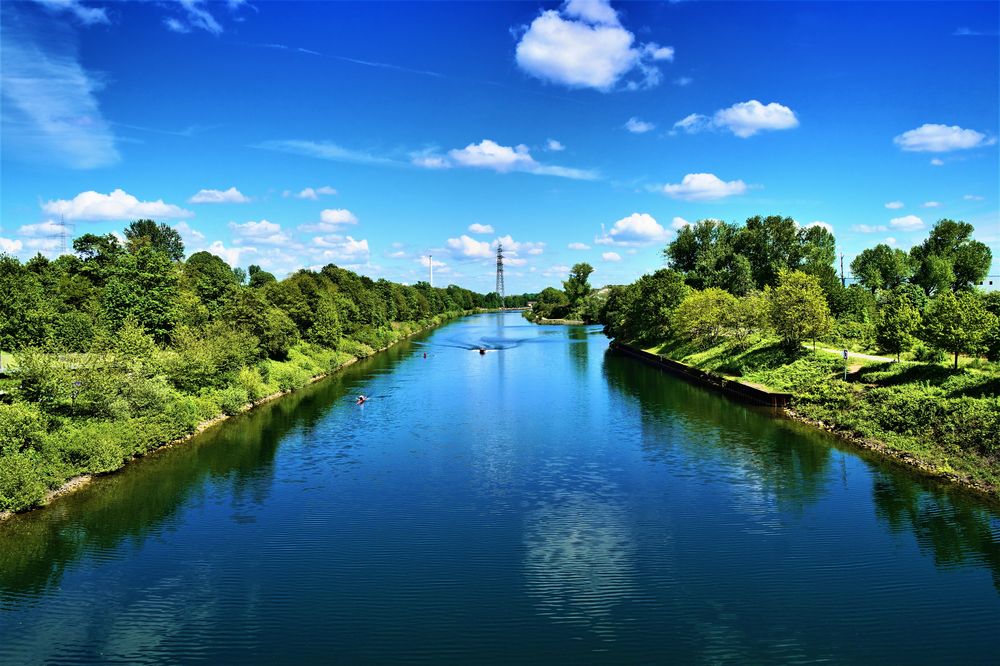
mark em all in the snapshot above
pixel 500 273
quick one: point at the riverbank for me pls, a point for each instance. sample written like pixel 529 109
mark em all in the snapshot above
pixel 940 422
pixel 43 497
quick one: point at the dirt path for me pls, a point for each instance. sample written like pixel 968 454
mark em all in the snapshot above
pixel 866 357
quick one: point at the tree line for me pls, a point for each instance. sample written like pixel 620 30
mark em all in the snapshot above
pixel 770 276
pixel 125 344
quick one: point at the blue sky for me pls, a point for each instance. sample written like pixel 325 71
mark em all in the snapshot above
pixel 373 135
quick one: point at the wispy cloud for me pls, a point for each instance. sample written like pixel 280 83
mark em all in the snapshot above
pixel 356 61
pixel 325 150
pixel 50 109
pixel 969 32
pixel 86 15
pixel 488 154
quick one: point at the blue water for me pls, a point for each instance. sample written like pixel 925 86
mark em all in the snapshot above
pixel 549 501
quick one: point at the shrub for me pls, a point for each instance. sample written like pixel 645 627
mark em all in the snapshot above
pixel 91 446
pixel 252 383
pixel 22 427
pixel 147 395
pixel 184 412
pixel 354 348
pixel 287 376
pixel 233 399
pixel 925 354
pixel 22 483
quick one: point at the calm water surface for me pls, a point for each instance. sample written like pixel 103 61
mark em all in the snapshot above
pixel 548 502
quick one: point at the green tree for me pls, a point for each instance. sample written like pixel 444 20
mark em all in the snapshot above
pixel 882 267
pixel 143 285
pixel 705 315
pixel 896 323
pixel 577 285
pixel 958 324
pixel 991 302
pixel 158 237
pixel 798 308
pixel 259 277
pixel 749 316
pixel 211 278
pixel 771 244
pixel 657 296
pixel 949 258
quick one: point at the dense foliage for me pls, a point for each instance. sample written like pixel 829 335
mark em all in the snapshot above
pixel 741 301
pixel 121 347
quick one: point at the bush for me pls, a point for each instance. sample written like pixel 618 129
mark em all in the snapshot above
pixel 21 427
pixel 233 399
pixel 22 483
pixel 91 446
pixel 252 383
pixel 185 413
pixel 354 348
pixel 288 377
pixel 147 395
pixel 925 354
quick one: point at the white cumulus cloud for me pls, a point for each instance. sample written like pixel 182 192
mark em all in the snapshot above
pixel 637 126
pixel 632 231
pixel 894 205
pixel 468 247
pixel 931 204
pixel 10 246
pixel 868 228
pixel 265 232
pixel 583 45
pixel 819 223
pixel 476 228
pixel 313 194
pixel 743 119
pixel 188 233
pixel 337 216
pixel 341 249
pixel 488 154
pixel 232 195
pixel 554 145
pixel 972 197
pixel 578 246
pixel 906 223
pixel 934 138
pixel 231 255
pixel 46 228
pixel 611 256
pixel 679 223
pixel 118 205
pixel 704 187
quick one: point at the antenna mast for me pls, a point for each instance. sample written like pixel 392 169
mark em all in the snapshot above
pixel 500 274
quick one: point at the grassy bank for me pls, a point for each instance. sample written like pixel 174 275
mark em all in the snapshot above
pixel 138 400
pixel 943 421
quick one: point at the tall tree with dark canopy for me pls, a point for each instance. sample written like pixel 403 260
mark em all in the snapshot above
pixel 158 237
pixel 577 286
pixel 950 259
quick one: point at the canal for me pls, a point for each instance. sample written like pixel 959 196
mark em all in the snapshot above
pixel 549 501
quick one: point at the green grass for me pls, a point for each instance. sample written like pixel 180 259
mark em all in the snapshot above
pixel 948 419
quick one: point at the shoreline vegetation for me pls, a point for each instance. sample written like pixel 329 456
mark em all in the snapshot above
pixel 125 346
pixel 957 466
pixel 83 480
pixel 757 303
